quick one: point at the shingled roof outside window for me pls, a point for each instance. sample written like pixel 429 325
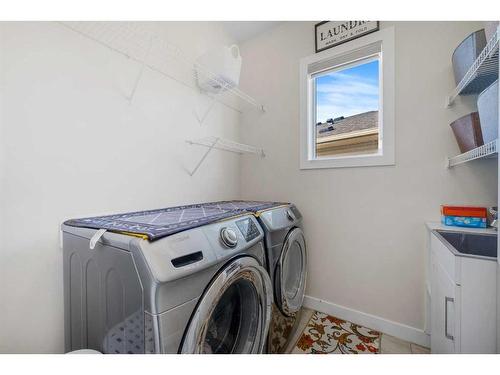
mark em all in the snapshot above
pixel 353 134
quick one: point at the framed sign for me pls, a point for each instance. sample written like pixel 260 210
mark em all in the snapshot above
pixel 332 33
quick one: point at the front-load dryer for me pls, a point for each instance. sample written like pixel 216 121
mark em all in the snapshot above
pixel 200 290
pixel 287 265
pixel 287 260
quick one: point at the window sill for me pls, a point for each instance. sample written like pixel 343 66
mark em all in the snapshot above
pixel 349 161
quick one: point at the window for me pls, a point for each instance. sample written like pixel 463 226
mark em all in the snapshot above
pixel 347 104
pixel 347 107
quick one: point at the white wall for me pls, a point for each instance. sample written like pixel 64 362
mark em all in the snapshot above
pixel 365 226
pixel 71 145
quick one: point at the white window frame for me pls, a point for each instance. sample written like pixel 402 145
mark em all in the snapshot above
pixel 386 155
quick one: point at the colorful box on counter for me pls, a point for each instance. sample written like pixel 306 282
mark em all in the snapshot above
pixel 464 221
pixel 464 216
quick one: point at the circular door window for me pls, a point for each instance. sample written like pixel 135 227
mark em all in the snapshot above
pixel 234 313
pixel 291 273
pixel 234 323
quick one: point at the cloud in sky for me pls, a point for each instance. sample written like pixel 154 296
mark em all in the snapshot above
pixel 347 92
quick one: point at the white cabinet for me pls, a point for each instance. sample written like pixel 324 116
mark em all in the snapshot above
pixel 463 301
pixel 444 319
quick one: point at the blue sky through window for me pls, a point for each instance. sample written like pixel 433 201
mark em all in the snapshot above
pixel 347 92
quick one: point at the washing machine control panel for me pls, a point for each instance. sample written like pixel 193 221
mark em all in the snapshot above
pixel 248 229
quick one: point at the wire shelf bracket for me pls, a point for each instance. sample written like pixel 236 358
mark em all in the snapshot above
pixel 224 145
pixel 213 99
pixel 482 73
pixel 486 151
pixel 141 72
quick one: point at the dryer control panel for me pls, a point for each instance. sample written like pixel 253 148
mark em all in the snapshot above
pixel 248 229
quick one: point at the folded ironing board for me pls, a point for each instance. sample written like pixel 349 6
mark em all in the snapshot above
pixel 163 222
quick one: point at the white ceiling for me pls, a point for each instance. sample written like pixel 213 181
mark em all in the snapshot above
pixel 241 31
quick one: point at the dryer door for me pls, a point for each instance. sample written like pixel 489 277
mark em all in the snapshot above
pixel 291 272
pixel 234 313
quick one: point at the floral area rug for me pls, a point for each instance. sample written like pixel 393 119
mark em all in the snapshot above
pixel 325 334
pixel 280 331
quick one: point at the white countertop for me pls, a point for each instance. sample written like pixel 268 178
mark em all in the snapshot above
pixel 432 225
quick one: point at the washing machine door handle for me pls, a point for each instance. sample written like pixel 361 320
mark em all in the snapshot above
pixel 245 270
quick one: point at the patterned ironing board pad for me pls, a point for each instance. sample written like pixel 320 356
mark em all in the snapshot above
pixel 164 222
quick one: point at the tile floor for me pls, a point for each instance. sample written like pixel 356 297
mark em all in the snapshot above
pixel 392 345
pixel 388 344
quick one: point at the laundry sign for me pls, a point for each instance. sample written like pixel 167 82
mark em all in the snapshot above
pixel 332 33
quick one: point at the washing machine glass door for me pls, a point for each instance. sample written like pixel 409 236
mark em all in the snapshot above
pixel 233 315
pixel 291 272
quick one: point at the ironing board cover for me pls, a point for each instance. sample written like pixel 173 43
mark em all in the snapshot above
pixel 164 222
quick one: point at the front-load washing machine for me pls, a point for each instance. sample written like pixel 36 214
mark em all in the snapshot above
pixel 287 265
pixel 198 290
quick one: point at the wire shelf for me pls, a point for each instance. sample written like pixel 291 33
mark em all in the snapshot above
pixel 224 145
pixel 482 73
pixel 142 42
pixel 488 150
pixel 227 145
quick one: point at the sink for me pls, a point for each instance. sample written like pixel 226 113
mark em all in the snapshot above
pixel 471 244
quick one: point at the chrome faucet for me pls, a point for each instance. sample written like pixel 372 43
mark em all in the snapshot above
pixel 494 217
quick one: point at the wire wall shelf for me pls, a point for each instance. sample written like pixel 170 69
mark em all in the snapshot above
pixel 486 151
pixel 142 42
pixel 482 73
pixel 224 145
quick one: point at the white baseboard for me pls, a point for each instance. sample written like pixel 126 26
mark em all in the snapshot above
pixel 395 329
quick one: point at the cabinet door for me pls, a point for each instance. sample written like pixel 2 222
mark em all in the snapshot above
pixel 443 311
